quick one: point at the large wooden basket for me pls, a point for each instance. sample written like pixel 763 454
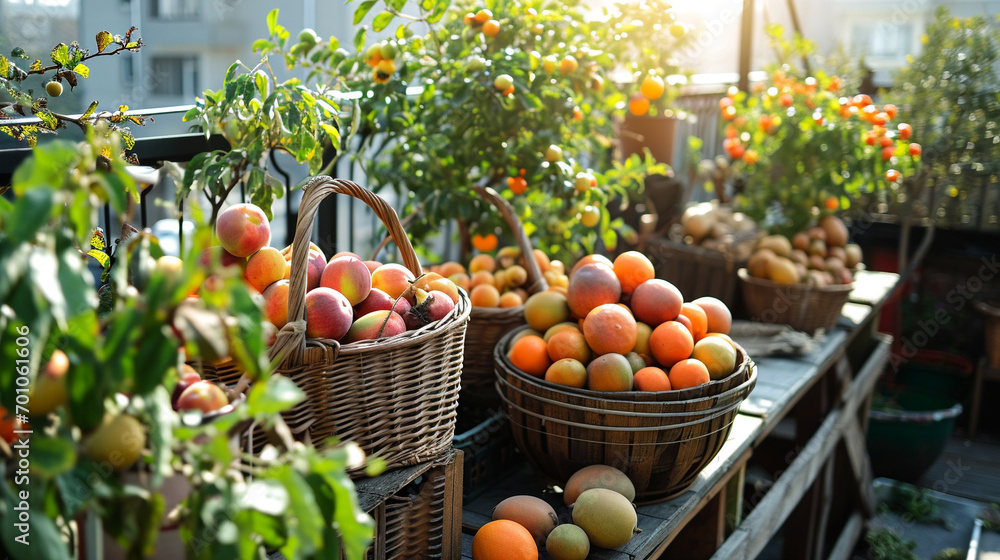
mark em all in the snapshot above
pixel 660 440
pixel 803 307
pixel 395 397
pixel 488 324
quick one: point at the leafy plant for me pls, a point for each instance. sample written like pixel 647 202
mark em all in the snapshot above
pixel 804 145
pixel 258 115
pixel 916 503
pixel 68 65
pixel 950 90
pixel 123 361
pixel 510 94
pixel 885 544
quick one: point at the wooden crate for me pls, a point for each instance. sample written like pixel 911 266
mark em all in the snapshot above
pixel 417 510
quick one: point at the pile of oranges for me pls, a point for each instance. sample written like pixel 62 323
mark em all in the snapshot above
pixel 502 281
pixel 618 328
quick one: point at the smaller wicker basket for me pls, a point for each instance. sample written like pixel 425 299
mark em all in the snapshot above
pixel 395 397
pixel 488 324
pixel 661 441
pixel 801 306
pixel 696 271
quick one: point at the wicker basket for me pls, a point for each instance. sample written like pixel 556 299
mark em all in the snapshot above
pixel 660 440
pixel 696 271
pixel 488 324
pixel 395 397
pixel 803 307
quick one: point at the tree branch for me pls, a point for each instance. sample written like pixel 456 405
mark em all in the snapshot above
pixel 85 58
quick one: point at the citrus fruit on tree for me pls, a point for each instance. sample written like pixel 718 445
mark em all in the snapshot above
pixel 652 87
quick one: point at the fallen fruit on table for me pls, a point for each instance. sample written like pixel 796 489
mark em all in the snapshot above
pixel 534 514
pixel 616 320
pixel 567 542
pixel 608 518
pixel 597 476
pixel 503 540
pixel 819 256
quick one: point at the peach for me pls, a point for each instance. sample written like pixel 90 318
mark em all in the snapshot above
pixel 590 259
pixel 393 279
pixel 202 395
pixel 346 254
pixel 243 229
pixel 720 319
pixel 482 263
pixel 656 301
pixel 543 310
pixel 117 442
pixel 372 265
pixel 48 392
pixel 315 265
pixel 609 372
pixel 376 300
pixel 349 276
pixel 220 256
pixel 431 306
pixel 718 355
pixel 592 285
pixel 328 314
pixel 264 267
pixel 377 324
pixel 276 303
pixel 450 267
pixel 434 281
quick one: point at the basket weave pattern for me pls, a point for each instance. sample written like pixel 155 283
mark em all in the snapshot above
pixel 395 397
pixel 488 324
pixel 695 271
pixel 660 440
pixel 803 307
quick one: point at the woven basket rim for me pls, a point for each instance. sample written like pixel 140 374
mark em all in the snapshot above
pixel 744 364
pixel 800 288
pixel 716 254
pixel 455 317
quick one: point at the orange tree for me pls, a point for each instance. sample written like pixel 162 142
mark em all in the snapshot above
pixel 805 144
pixel 508 93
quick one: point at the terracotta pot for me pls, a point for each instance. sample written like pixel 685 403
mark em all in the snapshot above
pixel 656 133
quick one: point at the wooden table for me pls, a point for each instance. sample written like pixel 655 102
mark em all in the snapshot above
pixel 803 424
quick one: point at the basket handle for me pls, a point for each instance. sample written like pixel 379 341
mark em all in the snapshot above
pixel 292 337
pixel 536 282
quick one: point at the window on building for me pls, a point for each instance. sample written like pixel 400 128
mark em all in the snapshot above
pixel 176 9
pixel 175 76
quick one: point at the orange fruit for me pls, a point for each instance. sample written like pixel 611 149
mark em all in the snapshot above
pixel 610 328
pixel 484 295
pixel 568 343
pixel 559 328
pixel 485 243
pixel 688 373
pixel 503 540
pixel 518 185
pixel 651 379
pixel 449 268
pixel 480 277
pixel 670 343
pixel 530 354
pixel 633 268
pixel 638 105
pixel 718 356
pixel 567 371
pixel 568 64
pixel 544 264
pixel 482 16
pixel 652 87
pixel 643 332
pixel 610 372
pixel 720 319
pixel 491 28
pixel 510 299
pixel 483 262
pixel 698 318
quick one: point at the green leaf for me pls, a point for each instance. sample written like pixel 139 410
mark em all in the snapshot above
pixel 90 110
pixel 397 5
pixel 18 52
pixel 382 21
pixel 276 395
pixel 262 46
pixel 362 11
pixel 32 212
pixel 82 70
pixel 272 21
pixel 103 40
pixel 51 456
pixel 4 66
pixel 359 39
pixel 60 55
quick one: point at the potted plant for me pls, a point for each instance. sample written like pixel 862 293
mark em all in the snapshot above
pixel 647 36
pixel 806 144
pixel 505 95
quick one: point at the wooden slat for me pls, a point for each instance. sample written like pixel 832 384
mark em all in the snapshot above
pixel 452 522
pixel 749 540
pixel 843 549
pixel 857 455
